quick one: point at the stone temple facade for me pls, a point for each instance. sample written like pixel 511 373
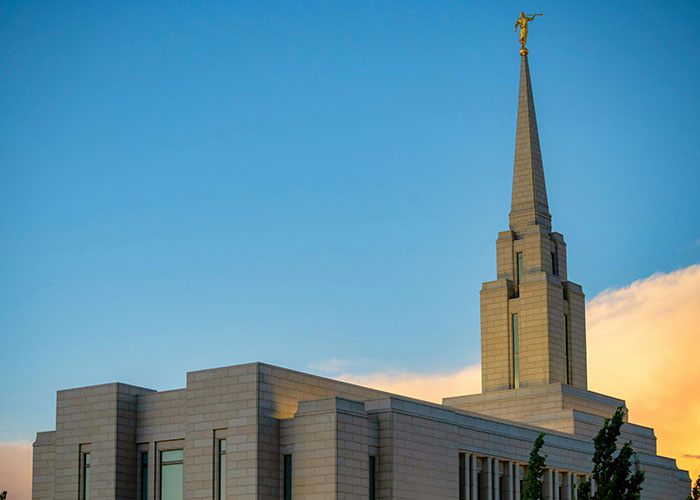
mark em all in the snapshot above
pixel 257 431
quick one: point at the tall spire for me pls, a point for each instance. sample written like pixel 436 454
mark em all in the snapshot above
pixel 533 320
pixel 529 202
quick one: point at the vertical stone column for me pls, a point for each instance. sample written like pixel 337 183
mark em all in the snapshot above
pixel 549 485
pixel 486 483
pixel 516 481
pixel 475 483
pixel 567 486
pixel 467 475
pixel 555 475
pixel 496 480
pixel 510 485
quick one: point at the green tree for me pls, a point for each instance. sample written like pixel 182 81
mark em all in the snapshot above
pixel 532 484
pixel 696 491
pixel 611 471
pixel 3 495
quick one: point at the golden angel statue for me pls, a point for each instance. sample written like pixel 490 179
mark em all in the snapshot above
pixel 522 22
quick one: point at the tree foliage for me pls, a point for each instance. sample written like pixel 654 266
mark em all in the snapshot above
pixel 532 485
pixel 696 491
pixel 612 469
pixel 3 495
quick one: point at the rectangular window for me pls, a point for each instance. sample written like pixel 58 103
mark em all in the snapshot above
pixel 222 469
pixel 567 342
pixel 171 474
pixel 144 476
pixel 516 353
pixel 287 477
pixel 555 261
pixel 519 264
pixel 86 476
pixel 372 470
pixel 463 476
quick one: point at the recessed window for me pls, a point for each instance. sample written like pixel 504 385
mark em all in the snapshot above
pixel 287 477
pixel 222 469
pixel 144 476
pixel 516 353
pixel 86 476
pixel 463 471
pixel 171 469
pixel 519 265
pixel 567 343
pixel 372 471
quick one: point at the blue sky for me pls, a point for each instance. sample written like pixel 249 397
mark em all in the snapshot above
pixel 189 185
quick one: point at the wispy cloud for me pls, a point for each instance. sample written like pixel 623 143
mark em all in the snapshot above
pixel 16 470
pixel 426 386
pixel 332 366
pixel 643 347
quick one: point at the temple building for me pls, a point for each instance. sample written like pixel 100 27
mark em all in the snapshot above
pixel 257 431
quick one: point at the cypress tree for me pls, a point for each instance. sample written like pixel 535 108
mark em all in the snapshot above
pixel 611 471
pixel 532 485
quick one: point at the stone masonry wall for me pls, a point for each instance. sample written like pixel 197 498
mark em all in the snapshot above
pixel 44 466
pixel 101 419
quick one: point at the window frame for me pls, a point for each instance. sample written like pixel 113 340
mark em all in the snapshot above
pixel 161 447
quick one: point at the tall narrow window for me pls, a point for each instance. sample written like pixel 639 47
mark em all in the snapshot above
pixel 222 469
pixel 144 476
pixel 567 342
pixel 463 476
pixel 555 261
pixel 287 477
pixel 86 476
pixel 516 353
pixel 372 470
pixel 171 475
pixel 519 271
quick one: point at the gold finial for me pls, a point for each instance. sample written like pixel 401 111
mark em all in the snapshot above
pixel 522 22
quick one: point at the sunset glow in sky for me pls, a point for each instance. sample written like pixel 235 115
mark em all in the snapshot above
pixel 319 185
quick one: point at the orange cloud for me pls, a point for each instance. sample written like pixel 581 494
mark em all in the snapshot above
pixel 16 470
pixel 428 387
pixel 643 348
